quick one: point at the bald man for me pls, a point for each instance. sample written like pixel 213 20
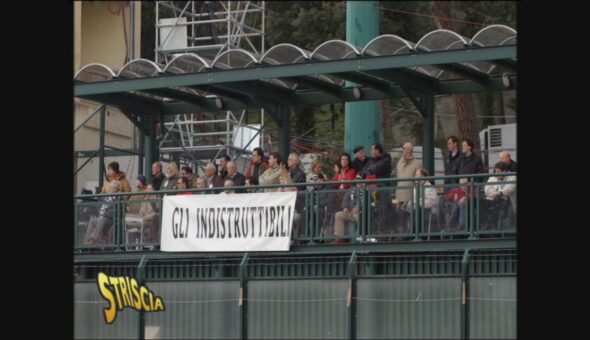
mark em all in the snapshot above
pixel 505 158
pixel 237 178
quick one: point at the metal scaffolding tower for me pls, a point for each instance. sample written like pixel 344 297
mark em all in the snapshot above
pixel 208 28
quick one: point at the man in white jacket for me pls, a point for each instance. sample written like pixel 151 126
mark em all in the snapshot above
pixel 502 194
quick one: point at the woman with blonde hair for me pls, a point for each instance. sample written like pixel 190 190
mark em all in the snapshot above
pixel 172 176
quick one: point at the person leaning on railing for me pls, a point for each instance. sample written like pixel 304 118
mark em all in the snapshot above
pixel 99 226
pixel 113 173
pixel 257 166
pixel 470 163
pixel 182 184
pixel 350 210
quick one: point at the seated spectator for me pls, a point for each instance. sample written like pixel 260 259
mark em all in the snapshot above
pixel 316 175
pixel 141 185
pixel 192 178
pixel 233 174
pixel 228 183
pixel 285 178
pixel 500 196
pixel 157 176
pixel 271 175
pixel 251 188
pixel 182 184
pixel 223 160
pixel 505 158
pixel 172 177
pixel 201 183
pixel 213 180
pixel 113 174
pixel 151 215
pixel 350 210
pixel 456 202
pixel 99 226
pixel 430 198
pixel 297 174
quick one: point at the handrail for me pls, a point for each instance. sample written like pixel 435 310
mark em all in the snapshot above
pixel 305 184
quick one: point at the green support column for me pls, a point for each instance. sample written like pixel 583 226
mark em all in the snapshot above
pixel 150 144
pixel 284 133
pixel 361 119
pixel 101 167
pixel 428 135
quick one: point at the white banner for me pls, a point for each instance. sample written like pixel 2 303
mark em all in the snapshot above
pixel 234 222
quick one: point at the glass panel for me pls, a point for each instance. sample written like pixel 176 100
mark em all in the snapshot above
pixel 89 320
pixel 492 308
pixel 415 308
pixel 195 310
pixel 297 309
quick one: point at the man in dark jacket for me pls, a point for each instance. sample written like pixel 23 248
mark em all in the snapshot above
pixel 380 163
pixel 380 166
pixel 257 166
pixel 157 175
pixel 452 159
pixel 505 158
pixel 223 159
pixel 237 178
pixel 360 161
pixel 470 163
pixel 297 174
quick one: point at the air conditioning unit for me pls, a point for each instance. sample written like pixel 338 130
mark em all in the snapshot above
pixel 495 139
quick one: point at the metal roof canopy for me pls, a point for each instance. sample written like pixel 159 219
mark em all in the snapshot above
pixel 286 76
pixel 442 62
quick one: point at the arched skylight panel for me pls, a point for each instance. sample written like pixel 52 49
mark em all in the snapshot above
pixel 440 40
pixel 94 72
pixel 140 68
pixel 387 44
pixel 237 58
pixel 186 63
pixel 335 49
pixel 285 54
pixel 494 35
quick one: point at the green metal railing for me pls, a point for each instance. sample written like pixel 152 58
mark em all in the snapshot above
pixel 380 218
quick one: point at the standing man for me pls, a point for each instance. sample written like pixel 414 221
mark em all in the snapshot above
pixel 406 168
pixel 360 160
pixel 452 161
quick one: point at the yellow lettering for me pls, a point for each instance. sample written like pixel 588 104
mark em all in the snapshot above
pixel 159 304
pixel 143 291
pixel 135 292
pixel 111 312
pixel 115 283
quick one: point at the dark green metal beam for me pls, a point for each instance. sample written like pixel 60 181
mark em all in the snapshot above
pixel 108 153
pixel 467 72
pixel 365 80
pixel 128 102
pixel 408 246
pixel 408 78
pixel 318 98
pixel 361 64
